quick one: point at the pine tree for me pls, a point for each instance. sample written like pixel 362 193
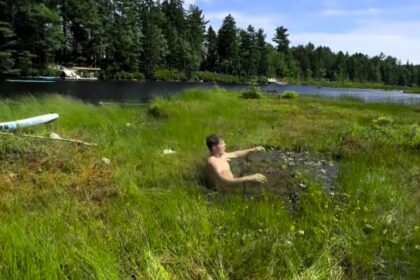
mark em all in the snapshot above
pixel 228 47
pixel 196 26
pixel 154 44
pixel 211 60
pixel 281 38
pixel 124 46
pixel 6 51
pixel 339 67
pixel 262 57
pixel 175 29
pixel 248 52
pixel 83 29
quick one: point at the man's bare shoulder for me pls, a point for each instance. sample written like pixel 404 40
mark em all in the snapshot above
pixel 212 160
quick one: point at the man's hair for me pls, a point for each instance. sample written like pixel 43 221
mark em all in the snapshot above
pixel 212 140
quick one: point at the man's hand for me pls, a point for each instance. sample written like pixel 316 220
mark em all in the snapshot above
pixel 259 178
pixel 259 149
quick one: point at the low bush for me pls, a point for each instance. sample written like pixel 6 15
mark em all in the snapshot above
pixel 215 77
pixel 156 110
pixel 290 94
pixel 253 92
pixel 168 75
pixel 122 75
pixel 383 120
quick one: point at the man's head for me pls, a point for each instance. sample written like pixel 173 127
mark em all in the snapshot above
pixel 215 144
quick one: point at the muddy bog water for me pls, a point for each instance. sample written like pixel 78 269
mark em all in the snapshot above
pixel 288 173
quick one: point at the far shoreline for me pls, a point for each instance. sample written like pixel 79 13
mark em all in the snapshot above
pixel 210 77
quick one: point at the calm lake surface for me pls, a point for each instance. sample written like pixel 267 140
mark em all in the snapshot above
pixel 128 91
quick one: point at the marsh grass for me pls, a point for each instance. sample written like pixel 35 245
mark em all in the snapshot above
pixel 66 215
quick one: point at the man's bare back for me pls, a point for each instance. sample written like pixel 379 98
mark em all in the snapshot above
pixel 218 168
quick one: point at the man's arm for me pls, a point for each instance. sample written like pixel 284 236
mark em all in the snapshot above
pixel 259 178
pixel 228 178
pixel 244 153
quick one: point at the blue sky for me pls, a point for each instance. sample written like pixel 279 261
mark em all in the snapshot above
pixel 368 26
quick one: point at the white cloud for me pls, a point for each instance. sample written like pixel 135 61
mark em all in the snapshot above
pixel 370 35
pixel 391 38
pixel 350 12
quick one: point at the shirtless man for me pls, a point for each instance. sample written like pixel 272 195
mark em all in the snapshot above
pixel 218 166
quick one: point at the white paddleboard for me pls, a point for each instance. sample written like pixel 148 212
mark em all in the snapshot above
pixel 44 119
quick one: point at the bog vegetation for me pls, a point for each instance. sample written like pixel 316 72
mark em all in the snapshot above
pixel 67 214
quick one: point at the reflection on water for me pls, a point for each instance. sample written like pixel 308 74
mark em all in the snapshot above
pixel 127 91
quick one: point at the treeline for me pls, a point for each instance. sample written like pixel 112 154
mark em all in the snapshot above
pixel 158 40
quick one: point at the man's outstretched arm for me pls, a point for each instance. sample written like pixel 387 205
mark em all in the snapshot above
pixel 228 178
pixel 244 153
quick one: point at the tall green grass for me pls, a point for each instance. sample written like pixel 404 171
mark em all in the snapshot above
pixel 146 216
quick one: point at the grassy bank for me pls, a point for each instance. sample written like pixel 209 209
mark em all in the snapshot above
pixel 66 214
pixel 348 84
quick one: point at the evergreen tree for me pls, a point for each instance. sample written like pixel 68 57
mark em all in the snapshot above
pixel 175 29
pixel 124 47
pixel 212 56
pixel 6 51
pixel 196 26
pixel 148 35
pixel 339 67
pixel 281 38
pixel 228 47
pixel 248 52
pixel 38 35
pixel 302 56
pixel 83 29
pixel 262 57
pixel 154 44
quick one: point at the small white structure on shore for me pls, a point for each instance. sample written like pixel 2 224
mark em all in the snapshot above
pixel 275 81
pixel 71 74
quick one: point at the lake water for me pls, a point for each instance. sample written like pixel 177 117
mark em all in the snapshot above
pixel 131 91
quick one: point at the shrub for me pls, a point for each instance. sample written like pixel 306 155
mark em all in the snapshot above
pixel 103 75
pixel 290 94
pixel 383 121
pixel 253 92
pixel 137 76
pixel 50 71
pixel 169 75
pixel 156 110
pixel 122 75
pixel 413 135
pixel 215 77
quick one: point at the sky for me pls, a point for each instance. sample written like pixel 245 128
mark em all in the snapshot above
pixel 367 26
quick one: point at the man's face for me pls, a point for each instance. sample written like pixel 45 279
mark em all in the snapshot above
pixel 220 148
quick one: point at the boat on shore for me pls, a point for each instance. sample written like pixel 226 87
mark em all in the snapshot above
pixel 38 120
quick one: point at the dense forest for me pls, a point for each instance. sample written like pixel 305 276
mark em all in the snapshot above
pixel 152 39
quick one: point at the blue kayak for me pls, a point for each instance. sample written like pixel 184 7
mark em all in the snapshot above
pixel 29 81
pixel 48 78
